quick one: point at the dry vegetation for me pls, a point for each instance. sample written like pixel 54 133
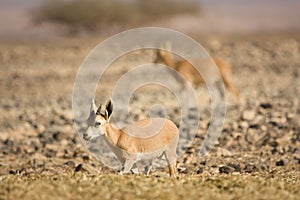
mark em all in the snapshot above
pixel 82 186
pixel 94 15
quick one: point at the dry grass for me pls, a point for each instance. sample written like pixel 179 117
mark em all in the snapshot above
pixel 86 186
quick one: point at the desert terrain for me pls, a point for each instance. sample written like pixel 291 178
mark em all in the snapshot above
pixel 257 155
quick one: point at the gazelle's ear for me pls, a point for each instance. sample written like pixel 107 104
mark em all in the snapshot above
pixel 93 108
pixel 108 108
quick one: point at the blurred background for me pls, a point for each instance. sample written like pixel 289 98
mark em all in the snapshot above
pixel 46 18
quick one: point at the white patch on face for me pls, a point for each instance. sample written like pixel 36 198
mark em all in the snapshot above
pixel 90 134
pixel 100 129
pixel 95 129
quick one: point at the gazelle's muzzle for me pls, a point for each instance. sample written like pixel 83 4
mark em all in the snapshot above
pixel 86 135
pixel 90 133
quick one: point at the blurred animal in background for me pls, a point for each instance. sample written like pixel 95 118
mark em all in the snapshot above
pixel 190 73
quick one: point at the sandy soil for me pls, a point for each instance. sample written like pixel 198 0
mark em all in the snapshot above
pixel 257 156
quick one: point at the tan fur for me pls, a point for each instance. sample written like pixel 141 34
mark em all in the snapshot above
pixel 128 147
pixel 134 144
pixel 187 70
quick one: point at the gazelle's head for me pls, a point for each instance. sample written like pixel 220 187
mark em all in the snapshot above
pixel 97 119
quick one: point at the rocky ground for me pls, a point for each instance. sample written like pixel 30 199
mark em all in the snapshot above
pixel 257 155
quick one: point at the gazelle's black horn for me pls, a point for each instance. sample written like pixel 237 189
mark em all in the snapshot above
pixel 99 110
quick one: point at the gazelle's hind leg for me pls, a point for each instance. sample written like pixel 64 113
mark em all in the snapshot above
pixel 230 86
pixel 149 167
pixel 171 157
pixel 144 166
pixel 127 166
pixel 226 74
pixel 135 169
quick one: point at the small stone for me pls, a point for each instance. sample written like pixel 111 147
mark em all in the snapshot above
pixel 263 128
pixel 183 170
pixel 29 131
pixel 78 168
pixel 244 124
pixel 259 119
pixel 67 115
pixel 248 115
pixel 249 168
pixel 235 125
pixel 85 158
pixel 276 114
pixel 264 166
pixel 38 162
pixel 254 126
pixel 51 147
pixel 40 128
pixel 236 135
pixel 236 167
pixel 273 143
pixel 223 152
pixel 277 120
pixel 200 170
pixel 70 163
pixel 266 105
pixel 284 141
pixel 225 170
pixel 274 151
pixel 203 162
pixel 64 142
pixel 298 159
pixel 30 149
pixel 280 163
pixel 290 115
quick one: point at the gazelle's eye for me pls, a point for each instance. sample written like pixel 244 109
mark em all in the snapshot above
pixel 97 123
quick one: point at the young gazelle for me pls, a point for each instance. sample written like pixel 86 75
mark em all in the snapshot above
pixel 187 70
pixel 159 138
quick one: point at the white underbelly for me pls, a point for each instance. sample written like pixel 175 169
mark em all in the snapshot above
pixel 148 156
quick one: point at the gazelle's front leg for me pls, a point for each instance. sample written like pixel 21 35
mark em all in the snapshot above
pixel 173 170
pixel 127 166
pixel 171 156
pixel 149 167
